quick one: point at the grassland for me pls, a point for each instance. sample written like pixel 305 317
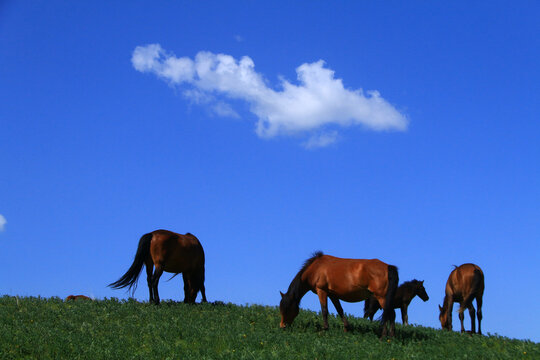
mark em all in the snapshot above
pixel 111 329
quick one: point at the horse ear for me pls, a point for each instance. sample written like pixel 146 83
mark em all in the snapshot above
pixel 282 294
pixel 422 282
pixel 440 308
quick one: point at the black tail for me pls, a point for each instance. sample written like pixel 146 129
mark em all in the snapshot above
pixel 200 277
pixel 200 283
pixel 132 275
pixel 477 284
pixel 389 314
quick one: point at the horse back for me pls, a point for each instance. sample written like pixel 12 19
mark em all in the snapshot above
pixel 350 279
pixel 176 252
pixel 465 280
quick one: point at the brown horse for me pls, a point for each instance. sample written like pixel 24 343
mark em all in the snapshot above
pixel 78 297
pixel 349 280
pixel 404 295
pixel 171 252
pixel 464 284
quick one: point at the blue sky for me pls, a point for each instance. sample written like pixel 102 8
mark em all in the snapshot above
pixel 405 132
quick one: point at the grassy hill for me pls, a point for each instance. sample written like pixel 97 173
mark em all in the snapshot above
pixel 112 329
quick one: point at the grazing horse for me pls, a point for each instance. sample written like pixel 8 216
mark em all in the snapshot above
pixel 404 295
pixel 465 283
pixel 77 297
pixel 349 280
pixel 171 252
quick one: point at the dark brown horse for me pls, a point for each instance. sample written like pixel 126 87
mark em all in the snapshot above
pixel 404 295
pixel 170 252
pixel 349 280
pixel 464 284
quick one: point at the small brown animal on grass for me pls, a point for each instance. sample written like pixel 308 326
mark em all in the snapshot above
pixel 78 297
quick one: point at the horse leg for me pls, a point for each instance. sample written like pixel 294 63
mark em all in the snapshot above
pixel 472 314
pixel 370 308
pixel 404 316
pixel 450 308
pixel 323 299
pixel 461 318
pixel 149 270
pixel 479 313
pixel 366 308
pixel 339 309
pixel 382 303
pixel 155 281
pixel 203 293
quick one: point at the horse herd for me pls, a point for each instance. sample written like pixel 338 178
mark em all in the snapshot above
pixel 329 277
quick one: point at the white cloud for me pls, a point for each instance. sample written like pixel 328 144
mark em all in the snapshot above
pixel 223 109
pixel 3 222
pixel 318 100
pixel 321 140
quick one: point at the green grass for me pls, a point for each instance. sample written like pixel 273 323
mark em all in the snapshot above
pixel 111 329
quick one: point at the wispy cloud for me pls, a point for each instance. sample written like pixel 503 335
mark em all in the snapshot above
pixel 321 140
pixel 319 100
pixel 3 222
pixel 223 109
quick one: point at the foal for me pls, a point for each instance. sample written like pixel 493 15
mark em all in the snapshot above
pixel 404 295
pixel 78 297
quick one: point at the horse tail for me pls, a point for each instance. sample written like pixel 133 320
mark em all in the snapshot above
pixel 201 276
pixel 477 281
pixel 200 285
pixel 129 279
pixel 393 279
pixel 197 276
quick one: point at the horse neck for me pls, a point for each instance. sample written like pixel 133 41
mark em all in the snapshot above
pixel 406 293
pixel 297 289
pixel 445 304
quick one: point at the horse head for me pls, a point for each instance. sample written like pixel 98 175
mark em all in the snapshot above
pixel 289 310
pixel 443 317
pixel 421 291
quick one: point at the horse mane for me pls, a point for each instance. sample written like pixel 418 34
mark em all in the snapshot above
pixel 409 283
pixel 407 287
pixel 315 256
pixel 295 293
